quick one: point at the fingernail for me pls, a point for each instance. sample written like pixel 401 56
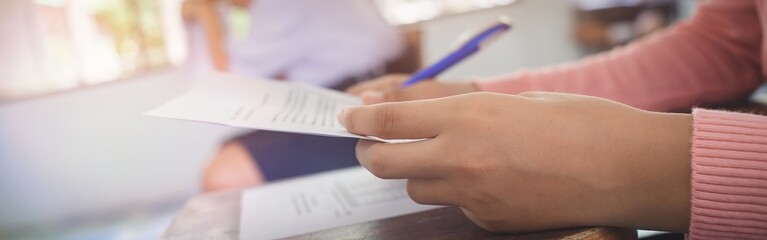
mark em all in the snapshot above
pixel 341 116
pixel 372 96
pixel 372 93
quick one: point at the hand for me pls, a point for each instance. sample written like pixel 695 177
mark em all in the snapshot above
pixel 534 161
pixel 387 89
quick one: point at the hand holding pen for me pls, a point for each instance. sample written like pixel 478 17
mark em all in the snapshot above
pixel 468 49
pixel 400 87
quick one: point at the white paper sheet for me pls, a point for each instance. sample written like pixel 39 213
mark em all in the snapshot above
pixel 261 104
pixel 323 201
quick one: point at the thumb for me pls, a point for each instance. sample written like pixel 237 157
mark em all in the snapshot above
pixel 402 120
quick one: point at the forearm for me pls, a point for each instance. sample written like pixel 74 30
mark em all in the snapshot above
pixel 204 12
pixel 701 173
pixel 660 198
pixel 712 58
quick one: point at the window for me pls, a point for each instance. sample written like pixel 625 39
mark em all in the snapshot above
pixel 411 11
pixel 56 45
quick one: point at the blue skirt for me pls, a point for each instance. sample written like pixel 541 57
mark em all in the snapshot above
pixel 283 155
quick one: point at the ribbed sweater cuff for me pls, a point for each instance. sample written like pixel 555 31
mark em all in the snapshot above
pixel 729 176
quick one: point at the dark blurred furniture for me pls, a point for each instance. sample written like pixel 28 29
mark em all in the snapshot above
pixel 410 59
pixel 217 216
pixel 745 107
pixel 607 25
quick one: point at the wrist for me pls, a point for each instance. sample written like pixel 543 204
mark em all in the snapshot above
pixel 680 132
pixel 661 198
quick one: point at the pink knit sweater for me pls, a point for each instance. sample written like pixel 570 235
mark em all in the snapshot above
pixel 718 55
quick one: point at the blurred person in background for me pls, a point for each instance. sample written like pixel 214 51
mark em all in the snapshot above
pixel 329 43
pixel 319 42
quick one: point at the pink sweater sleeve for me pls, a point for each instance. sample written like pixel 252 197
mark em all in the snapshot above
pixel 729 176
pixel 714 57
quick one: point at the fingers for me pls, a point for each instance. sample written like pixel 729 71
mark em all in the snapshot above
pixel 489 225
pixel 370 97
pixel 469 214
pixel 389 89
pixel 430 191
pixel 400 160
pixel 401 120
pixel 383 84
pixel 416 92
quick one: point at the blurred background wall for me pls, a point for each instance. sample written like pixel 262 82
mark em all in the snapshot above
pixel 542 35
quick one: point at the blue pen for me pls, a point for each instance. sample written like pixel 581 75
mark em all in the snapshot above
pixel 469 48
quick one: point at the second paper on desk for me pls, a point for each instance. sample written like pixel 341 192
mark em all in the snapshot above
pixel 261 104
pixel 322 201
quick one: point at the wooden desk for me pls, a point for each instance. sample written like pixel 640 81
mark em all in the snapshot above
pixel 217 216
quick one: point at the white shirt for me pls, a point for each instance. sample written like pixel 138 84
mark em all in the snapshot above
pixel 319 42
